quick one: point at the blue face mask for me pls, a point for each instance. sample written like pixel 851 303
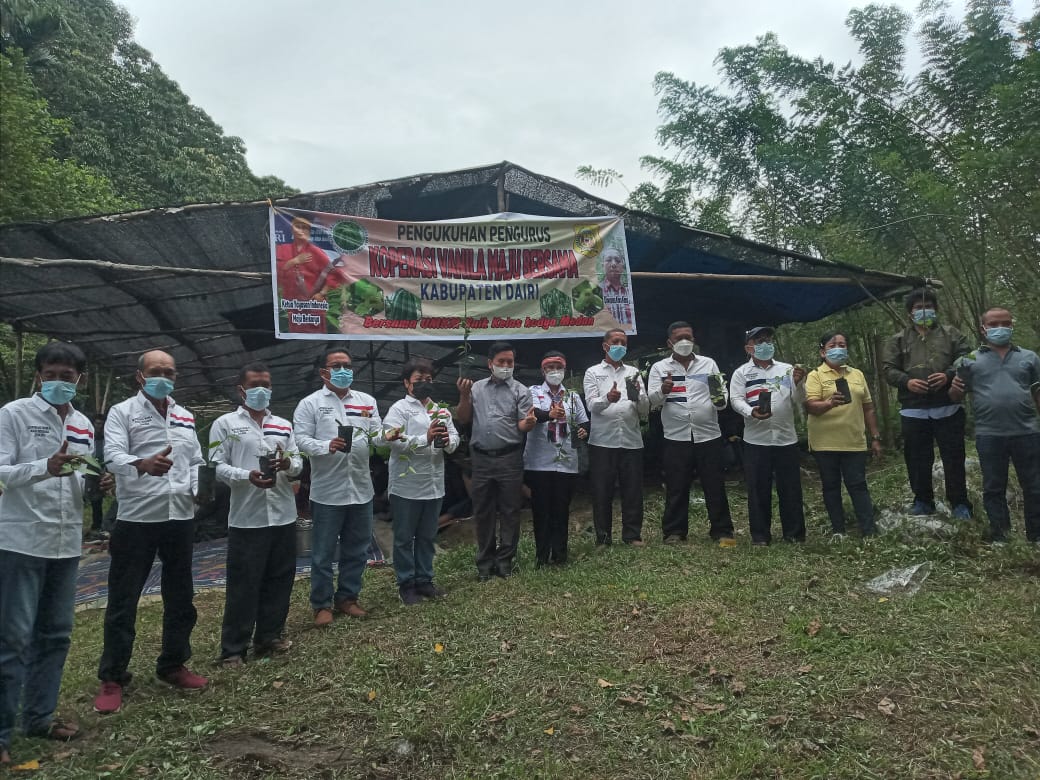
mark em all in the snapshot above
pixel 341 377
pixel 617 351
pixel 837 355
pixel 925 317
pixel 999 336
pixel 765 350
pixel 158 387
pixel 258 398
pixel 57 392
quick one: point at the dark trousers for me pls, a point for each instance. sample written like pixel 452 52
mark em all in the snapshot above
pixel 994 454
pixel 261 567
pixel 551 493
pixel 761 465
pixel 679 460
pixel 497 492
pixel 919 440
pixel 852 468
pixel 133 547
pixel 608 465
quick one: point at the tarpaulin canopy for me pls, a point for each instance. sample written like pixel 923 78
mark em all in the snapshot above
pixel 154 290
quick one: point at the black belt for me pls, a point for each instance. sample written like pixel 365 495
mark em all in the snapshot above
pixel 499 451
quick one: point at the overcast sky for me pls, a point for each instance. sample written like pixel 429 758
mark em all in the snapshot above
pixel 331 93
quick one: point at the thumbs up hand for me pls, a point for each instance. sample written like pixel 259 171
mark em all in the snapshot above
pixel 158 464
pixel 614 395
pixel 528 422
pixel 57 462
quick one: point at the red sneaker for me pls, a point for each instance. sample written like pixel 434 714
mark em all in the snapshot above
pixel 182 677
pixel 109 698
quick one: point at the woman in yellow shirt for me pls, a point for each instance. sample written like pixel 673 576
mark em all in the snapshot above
pixel 840 406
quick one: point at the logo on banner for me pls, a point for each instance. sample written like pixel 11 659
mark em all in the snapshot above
pixel 587 241
pixel 349 236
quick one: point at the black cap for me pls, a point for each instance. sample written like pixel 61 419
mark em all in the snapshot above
pixel 757 331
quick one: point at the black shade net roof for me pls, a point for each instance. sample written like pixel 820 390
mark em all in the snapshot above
pixel 214 324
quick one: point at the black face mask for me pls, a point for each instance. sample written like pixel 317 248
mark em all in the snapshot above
pixel 422 390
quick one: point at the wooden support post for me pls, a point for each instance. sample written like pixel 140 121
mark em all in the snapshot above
pixel 881 404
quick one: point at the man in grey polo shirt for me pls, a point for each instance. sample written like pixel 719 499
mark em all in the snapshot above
pixel 1004 381
pixel 501 412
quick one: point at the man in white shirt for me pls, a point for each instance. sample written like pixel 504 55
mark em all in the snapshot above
pixel 689 390
pixel 617 402
pixel 500 411
pixel 770 439
pixel 41 528
pixel 154 453
pixel 334 427
pixel 261 547
pixel 551 459
pixel 421 433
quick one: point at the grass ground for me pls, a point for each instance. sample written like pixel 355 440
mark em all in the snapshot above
pixel 665 662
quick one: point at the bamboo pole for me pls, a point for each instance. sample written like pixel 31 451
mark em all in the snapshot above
pixel 44 262
pixel 836 280
pixel 18 347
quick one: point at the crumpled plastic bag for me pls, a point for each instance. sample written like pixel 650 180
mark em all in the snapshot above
pixel 901 582
pixel 889 521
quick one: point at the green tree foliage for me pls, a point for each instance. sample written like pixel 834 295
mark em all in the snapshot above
pixel 935 174
pixel 35 184
pixel 132 122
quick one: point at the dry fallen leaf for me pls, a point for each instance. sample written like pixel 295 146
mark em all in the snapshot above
pixel 438 648
pixel 667 726
pixel 857 715
pixel 277 683
pixel 978 758
pixel 708 708
pixel 500 716
pixel 805 669
pixel 886 706
pixel 814 627
pixel 30 766
pixel 577 710
pixel 109 767
pixel 372 695
pixel 776 721
pixel 505 647
pixel 882 600
pixel 1032 732
pixel 737 688
pixel 550 731
pixel 604 684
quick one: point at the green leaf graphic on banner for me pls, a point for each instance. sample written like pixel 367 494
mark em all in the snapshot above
pixel 588 300
pixel 364 298
pixel 555 304
pixel 349 236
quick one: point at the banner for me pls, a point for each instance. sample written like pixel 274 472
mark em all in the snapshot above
pixel 503 276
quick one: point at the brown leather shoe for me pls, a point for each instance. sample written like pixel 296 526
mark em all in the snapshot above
pixel 351 609
pixel 322 617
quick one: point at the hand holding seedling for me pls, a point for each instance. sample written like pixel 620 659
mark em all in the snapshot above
pixel 666 385
pixel 158 464
pixel 258 479
pixel 337 445
pixel 937 381
pixel 58 463
pixel 758 414
pixel 614 395
pixel 798 374
pixel 556 411
pixel 836 399
pixel 108 483
pixel 464 386
pixel 919 386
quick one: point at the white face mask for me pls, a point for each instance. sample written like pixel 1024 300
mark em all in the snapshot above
pixel 502 372
pixel 554 378
pixel 683 348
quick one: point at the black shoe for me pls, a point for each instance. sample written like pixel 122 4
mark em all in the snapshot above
pixel 505 574
pixel 429 591
pixel 485 576
pixel 410 596
pixel 759 543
